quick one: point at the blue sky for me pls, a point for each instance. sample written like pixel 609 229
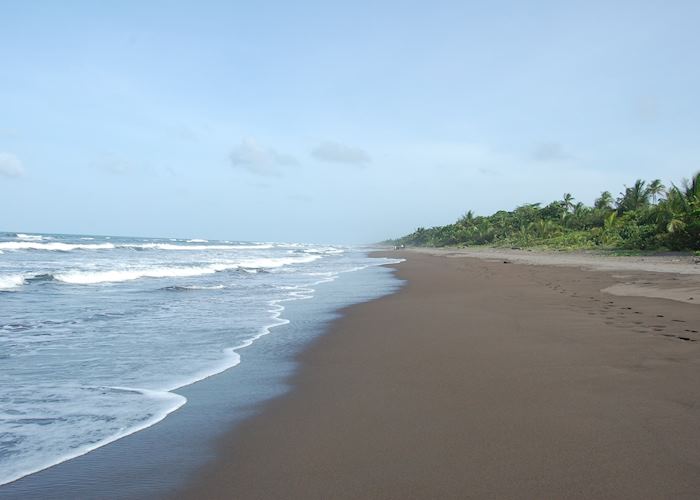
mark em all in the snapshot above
pixel 334 122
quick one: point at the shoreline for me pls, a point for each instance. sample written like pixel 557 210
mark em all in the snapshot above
pixel 158 458
pixel 481 378
pixel 593 260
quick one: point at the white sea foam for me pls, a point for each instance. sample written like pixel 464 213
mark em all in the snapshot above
pixel 168 402
pixel 325 250
pixel 8 282
pixel 197 240
pixel 171 246
pixel 57 418
pixel 231 356
pixel 273 262
pixel 117 276
pixel 172 401
pixel 120 275
pixel 29 237
pixel 67 247
pixel 53 246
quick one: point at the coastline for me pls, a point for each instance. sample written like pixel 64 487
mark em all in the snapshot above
pixel 160 457
pixel 487 379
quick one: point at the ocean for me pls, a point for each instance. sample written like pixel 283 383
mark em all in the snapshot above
pixel 99 334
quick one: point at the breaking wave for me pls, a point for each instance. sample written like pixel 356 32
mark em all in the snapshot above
pixel 67 247
pixel 53 246
pixel 11 281
pixel 120 275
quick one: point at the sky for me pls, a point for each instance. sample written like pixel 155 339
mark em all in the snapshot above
pixel 336 122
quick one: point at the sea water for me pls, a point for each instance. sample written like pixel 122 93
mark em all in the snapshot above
pixel 97 332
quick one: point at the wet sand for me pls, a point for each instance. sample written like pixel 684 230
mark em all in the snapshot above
pixel 484 378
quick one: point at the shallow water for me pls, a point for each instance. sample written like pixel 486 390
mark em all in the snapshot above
pixel 98 333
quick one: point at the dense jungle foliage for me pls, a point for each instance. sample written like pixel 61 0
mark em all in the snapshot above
pixel 645 216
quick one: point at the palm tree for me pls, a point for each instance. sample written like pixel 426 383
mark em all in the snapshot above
pixel 604 201
pixel 634 197
pixel 675 226
pixel 655 188
pixel 610 220
pixel 681 200
pixel 467 219
pixel 680 214
pixel 692 189
pixel 608 227
pixel 579 214
pixel 542 228
pixel 524 214
pixel 568 201
pixel 484 232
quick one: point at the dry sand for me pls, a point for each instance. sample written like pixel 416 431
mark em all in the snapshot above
pixel 484 379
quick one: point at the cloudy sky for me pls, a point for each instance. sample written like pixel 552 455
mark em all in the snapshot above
pixel 334 121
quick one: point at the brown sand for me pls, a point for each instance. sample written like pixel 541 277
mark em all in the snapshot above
pixel 481 379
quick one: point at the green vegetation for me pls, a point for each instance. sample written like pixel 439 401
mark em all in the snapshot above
pixel 646 216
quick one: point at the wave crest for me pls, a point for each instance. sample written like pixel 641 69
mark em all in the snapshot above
pixel 120 275
pixel 53 246
pixel 8 282
pixel 67 247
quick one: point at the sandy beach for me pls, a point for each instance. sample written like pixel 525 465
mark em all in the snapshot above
pixel 487 376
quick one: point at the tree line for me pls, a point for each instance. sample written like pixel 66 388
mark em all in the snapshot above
pixel 645 216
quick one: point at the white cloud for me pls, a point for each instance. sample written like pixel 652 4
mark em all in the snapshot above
pixel 340 153
pixel 260 160
pixel 10 165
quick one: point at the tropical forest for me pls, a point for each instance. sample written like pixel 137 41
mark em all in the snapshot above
pixel 645 216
